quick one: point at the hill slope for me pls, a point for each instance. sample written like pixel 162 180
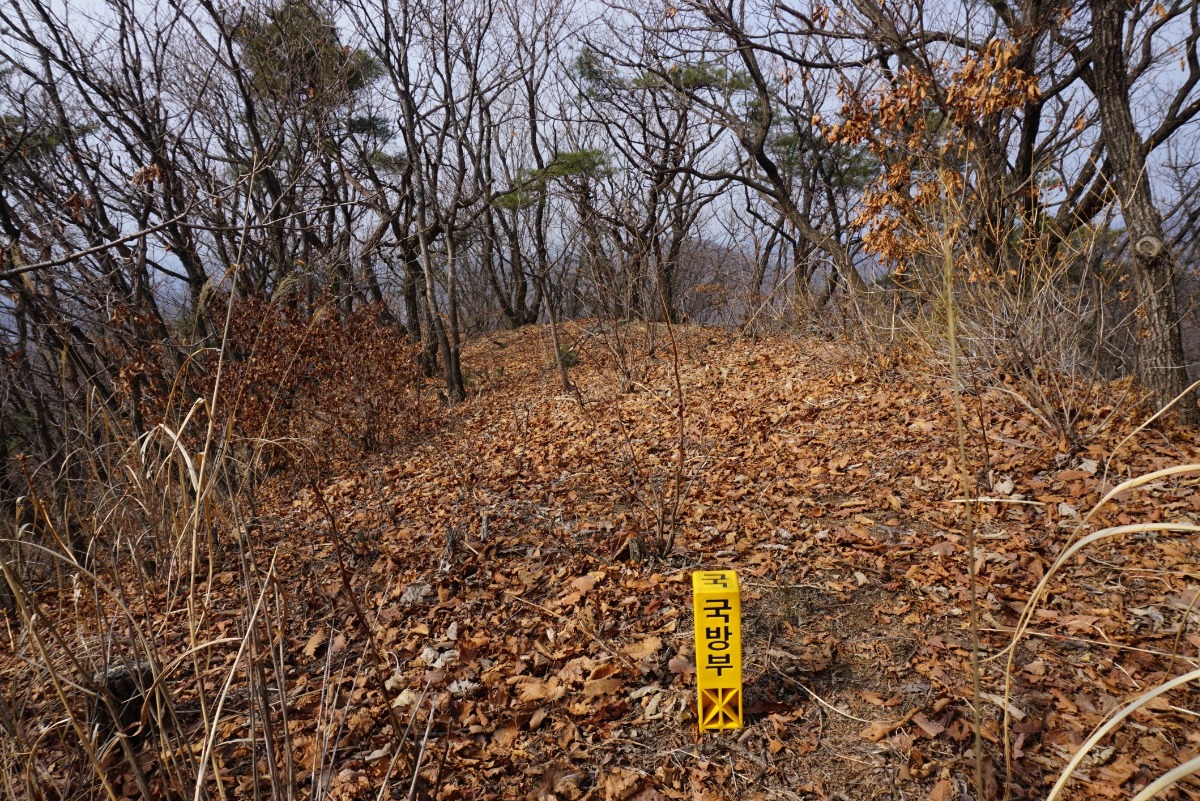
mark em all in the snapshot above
pixel 502 564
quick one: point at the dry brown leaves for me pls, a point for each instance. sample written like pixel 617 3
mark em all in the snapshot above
pixel 557 668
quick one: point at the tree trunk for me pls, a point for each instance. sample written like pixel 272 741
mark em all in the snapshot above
pixel 1159 346
pixel 437 327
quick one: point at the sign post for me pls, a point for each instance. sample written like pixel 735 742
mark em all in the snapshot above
pixel 717 604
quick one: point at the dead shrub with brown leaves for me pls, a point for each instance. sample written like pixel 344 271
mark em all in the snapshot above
pixel 326 381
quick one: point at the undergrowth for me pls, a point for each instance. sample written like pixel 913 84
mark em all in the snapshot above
pixel 118 579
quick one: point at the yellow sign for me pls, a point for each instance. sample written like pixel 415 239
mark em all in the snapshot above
pixel 718 613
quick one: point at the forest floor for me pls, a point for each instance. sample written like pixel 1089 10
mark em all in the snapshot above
pixel 537 652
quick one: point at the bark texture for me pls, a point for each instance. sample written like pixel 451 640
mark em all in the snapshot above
pixel 1159 345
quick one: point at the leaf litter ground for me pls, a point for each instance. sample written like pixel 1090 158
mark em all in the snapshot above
pixel 543 658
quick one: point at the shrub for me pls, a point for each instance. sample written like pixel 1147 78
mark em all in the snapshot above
pixel 568 357
pixel 325 379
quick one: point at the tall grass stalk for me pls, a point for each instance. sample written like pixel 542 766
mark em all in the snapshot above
pixel 130 588
pixel 1077 542
pixel 965 477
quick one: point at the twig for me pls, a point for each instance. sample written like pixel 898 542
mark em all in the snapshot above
pixel 372 646
pixel 1142 427
pixel 822 701
pixel 972 579
pixel 995 500
pixel 1183 624
pixel 595 637
pixel 79 254
pixel 1051 635
pixel 412 788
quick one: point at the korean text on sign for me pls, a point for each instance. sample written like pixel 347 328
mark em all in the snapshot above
pixel 718 614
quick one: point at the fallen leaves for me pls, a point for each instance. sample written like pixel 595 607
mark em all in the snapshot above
pixel 597 687
pixel 882 728
pixel 554 672
pixel 929 727
pixel 998 700
pixel 314 642
pixel 942 791
pixel 530 690
pixel 644 649
pixel 584 583
pixel 620 784
pixel 680 664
